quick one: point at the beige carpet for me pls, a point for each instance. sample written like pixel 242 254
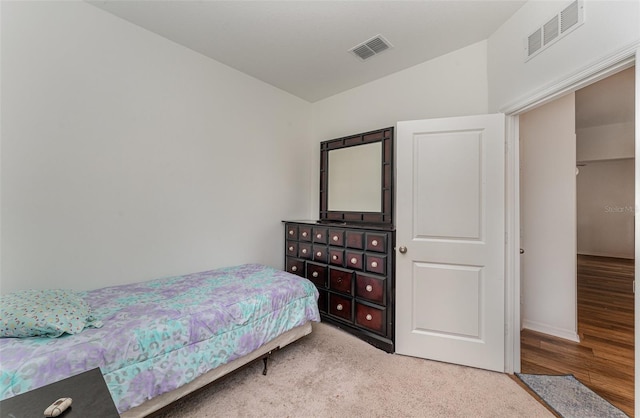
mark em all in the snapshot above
pixel 330 373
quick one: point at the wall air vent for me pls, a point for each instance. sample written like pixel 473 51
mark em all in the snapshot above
pixel 560 25
pixel 371 47
pixel 550 30
pixel 570 16
pixel 535 41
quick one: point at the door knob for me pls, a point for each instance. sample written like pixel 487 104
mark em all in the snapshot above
pixel 521 251
pixel 402 249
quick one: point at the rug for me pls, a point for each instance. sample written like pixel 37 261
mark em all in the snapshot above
pixel 570 398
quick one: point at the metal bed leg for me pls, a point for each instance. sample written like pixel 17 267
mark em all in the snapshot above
pixel 265 359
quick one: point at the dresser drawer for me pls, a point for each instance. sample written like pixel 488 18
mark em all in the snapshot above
pixel 355 239
pixel 317 273
pixel 375 263
pixel 295 266
pixel 305 250
pixel 336 237
pixel 304 233
pixel 336 257
pixel 340 280
pixel 292 248
pixel 320 253
pixel 371 288
pixel 353 260
pixel 292 231
pixel 320 235
pixel 376 242
pixel 371 318
pixel 340 306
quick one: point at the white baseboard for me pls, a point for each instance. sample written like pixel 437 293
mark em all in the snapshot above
pixel 547 329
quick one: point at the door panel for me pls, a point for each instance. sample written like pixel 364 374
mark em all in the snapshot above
pixel 447 209
pixel 458 291
pixel 450 279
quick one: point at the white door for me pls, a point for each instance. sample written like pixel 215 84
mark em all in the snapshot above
pixel 451 220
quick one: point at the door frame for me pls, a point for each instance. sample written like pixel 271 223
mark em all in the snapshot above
pixel 621 59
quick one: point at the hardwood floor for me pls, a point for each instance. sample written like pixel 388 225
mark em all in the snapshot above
pixel 604 358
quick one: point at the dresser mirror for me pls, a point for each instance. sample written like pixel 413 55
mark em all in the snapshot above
pixel 356 178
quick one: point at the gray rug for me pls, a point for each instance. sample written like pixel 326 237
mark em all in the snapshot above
pixel 570 398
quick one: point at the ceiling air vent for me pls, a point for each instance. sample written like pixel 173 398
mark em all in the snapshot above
pixel 371 47
pixel 571 17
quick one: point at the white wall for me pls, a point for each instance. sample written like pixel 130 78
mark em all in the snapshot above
pixel 606 208
pixel 548 218
pixel 609 26
pixel 454 84
pixel 606 142
pixel 127 157
pixel 605 185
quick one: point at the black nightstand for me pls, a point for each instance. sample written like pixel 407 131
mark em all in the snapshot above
pixel 89 392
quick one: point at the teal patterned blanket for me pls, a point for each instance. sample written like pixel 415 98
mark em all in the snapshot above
pixel 161 334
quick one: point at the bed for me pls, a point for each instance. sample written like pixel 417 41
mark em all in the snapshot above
pixel 158 340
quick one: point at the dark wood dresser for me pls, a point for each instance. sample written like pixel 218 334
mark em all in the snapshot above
pixel 353 268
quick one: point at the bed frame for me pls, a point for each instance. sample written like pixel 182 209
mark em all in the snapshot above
pixel 165 399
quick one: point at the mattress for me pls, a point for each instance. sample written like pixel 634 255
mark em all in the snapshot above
pixel 162 334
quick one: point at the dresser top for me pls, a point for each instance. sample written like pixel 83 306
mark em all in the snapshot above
pixel 380 227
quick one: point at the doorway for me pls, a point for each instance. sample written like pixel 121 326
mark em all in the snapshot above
pixel 578 267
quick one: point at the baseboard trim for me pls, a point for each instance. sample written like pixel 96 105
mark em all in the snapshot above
pixel 547 329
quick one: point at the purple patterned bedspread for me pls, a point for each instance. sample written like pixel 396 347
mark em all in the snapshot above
pixel 161 334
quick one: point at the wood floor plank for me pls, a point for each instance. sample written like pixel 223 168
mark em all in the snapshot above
pixel 603 360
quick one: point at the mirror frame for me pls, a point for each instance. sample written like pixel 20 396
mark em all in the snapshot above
pixel 385 216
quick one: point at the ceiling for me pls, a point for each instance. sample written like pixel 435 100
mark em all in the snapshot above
pixel 302 46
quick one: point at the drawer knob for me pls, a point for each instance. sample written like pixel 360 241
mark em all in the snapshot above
pixel 354 260
pixel 369 317
pixel 304 251
pixel 291 248
pixel 374 243
pixel 374 264
pixel 294 268
pixel 339 307
pixel 334 257
pixel 335 238
pixel 319 254
pixel 369 288
pixel 314 274
pixel 291 232
pixel 319 236
pixel 304 234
